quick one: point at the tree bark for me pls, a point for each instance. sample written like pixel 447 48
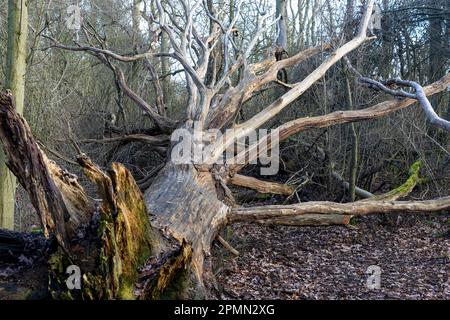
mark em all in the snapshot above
pixel 357 208
pixel 184 202
pixel 15 81
pixel 261 186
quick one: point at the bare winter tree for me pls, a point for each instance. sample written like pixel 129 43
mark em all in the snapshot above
pixel 134 245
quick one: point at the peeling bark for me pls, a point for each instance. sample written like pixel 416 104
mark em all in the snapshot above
pixel 184 203
pixel 57 196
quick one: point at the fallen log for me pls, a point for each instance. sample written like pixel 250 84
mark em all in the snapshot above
pixel 357 208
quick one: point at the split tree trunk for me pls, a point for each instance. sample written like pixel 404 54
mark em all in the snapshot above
pixel 125 246
pixel 184 202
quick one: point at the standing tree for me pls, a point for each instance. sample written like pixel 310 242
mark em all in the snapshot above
pixel 134 245
pixel 15 81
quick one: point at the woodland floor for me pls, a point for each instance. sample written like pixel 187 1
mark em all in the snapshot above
pixel 413 252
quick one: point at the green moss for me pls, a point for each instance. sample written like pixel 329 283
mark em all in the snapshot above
pixel 403 190
pixel 126 291
pixel 124 246
pixel 37 230
pixel 263 196
pixel 353 221
pixel 229 232
pixel 56 263
pixel 413 179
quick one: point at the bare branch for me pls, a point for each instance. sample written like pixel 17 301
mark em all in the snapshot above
pixel 108 53
pixel 303 220
pixel 227 246
pixel 339 117
pixel 161 140
pixel 424 103
pixel 253 81
pixel 261 186
pixel 299 88
pixel 164 123
pixel 357 208
pixel 419 95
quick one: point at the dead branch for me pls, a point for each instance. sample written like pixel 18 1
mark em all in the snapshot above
pixel 261 186
pixel 357 208
pixel 164 123
pixel 406 188
pixel 419 94
pixel 57 154
pixel 256 76
pixel 359 191
pixel 105 52
pixel 306 220
pixel 161 140
pixel 227 246
pixel 275 108
pixel 339 117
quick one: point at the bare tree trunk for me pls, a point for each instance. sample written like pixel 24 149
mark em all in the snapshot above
pixel 15 81
pixel 436 66
pixel 189 209
pixel 136 18
pixel 165 71
pixel 353 164
pixel 386 64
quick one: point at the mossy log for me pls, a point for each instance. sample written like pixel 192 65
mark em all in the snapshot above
pixel 406 188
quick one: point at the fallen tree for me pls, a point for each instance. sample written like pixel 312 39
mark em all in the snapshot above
pixel 157 244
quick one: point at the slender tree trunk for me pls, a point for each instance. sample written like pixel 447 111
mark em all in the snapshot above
pixel 15 81
pixel 436 47
pixel 165 70
pixel 136 18
pixel 386 59
pixel 353 164
pixel 436 61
